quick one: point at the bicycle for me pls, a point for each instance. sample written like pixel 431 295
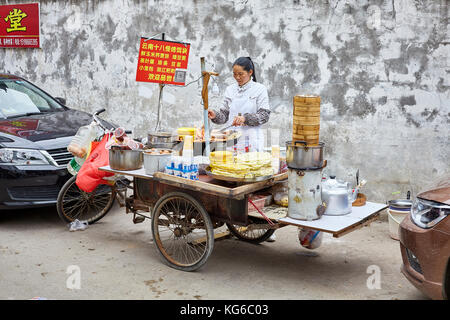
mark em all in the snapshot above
pixel 74 203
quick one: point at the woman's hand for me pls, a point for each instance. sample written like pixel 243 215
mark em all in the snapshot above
pixel 211 114
pixel 239 121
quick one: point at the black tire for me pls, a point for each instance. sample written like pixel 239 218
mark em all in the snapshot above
pixel 180 245
pixel 252 236
pixel 73 203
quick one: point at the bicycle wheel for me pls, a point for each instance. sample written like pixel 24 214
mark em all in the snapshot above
pixel 249 234
pixel 182 231
pixel 74 203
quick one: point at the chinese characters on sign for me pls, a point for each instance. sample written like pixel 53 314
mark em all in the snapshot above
pixel 162 61
pixel 19 26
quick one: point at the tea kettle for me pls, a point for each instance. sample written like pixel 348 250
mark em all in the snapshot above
pixel 338 196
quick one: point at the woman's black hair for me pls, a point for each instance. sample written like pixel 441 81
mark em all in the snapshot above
pixel 247 64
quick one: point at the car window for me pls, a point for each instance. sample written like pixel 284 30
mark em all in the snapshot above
pixel 20 97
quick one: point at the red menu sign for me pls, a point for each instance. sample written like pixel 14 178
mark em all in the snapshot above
pixel 162 61
pixel 19 26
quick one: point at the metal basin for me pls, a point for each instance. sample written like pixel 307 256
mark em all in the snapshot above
pixel 400 204
pixel 125 159
pixel 301 156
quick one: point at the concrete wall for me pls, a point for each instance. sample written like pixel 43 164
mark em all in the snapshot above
pixel 381 68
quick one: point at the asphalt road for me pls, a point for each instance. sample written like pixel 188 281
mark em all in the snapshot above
pixel 116 259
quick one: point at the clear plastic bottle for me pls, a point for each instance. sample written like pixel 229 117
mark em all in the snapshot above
pixel 73 166
pixel 79 144
pixel 276 158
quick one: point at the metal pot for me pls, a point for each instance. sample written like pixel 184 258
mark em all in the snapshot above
pixel 155 162
pixel 301 156
pixel 125 159
pixel 154 138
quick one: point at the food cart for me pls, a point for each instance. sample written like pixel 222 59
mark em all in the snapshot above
pixel 185 213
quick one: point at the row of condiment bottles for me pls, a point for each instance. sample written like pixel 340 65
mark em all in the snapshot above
pixel 183 166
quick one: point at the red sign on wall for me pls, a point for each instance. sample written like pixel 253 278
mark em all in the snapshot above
pixel 19 26
pixel 162 61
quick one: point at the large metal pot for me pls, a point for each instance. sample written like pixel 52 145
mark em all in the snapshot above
pixel 163 140
pixel 161 137
pixel 154 161
pixel 301 156
pixel 125 159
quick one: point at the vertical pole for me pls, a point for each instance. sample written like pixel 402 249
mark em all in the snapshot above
pixel 205 79
pixel 161 87
pixel 158 120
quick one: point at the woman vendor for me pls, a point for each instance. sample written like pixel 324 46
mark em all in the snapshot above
pixel 245 106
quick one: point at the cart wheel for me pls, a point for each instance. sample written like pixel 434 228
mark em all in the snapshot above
pixel 73 203
pixel 183 231
pixel 253 236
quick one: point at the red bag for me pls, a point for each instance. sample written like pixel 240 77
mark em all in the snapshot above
pixel 89 177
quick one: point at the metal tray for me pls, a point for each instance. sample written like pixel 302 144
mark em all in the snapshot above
pixel 231 179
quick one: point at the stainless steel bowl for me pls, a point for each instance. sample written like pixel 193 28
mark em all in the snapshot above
pixel 125 159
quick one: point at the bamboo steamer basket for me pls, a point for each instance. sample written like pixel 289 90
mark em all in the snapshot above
pixel 306 119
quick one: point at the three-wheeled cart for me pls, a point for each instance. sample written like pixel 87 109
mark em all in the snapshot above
pixel 185 213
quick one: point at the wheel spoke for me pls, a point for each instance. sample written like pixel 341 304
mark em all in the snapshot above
pixel 77 204
pixel 185 224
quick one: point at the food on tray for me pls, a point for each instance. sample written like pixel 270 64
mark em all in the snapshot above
pixel 244 165
pixel 221 156
pixel 155 151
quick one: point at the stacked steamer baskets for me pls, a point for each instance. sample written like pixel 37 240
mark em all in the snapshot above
pixel 304 157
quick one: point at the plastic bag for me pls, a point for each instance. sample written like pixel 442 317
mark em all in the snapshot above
pixel 309 238
pixel 280 194
pixel 77 225
pixel 89 177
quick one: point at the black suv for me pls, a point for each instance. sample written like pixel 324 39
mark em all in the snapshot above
pixel 35 130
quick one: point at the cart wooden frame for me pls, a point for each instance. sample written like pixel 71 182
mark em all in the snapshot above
pixel 185 214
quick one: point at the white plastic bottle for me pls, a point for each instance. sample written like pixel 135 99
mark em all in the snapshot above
pixel 275 158
pixel 79 144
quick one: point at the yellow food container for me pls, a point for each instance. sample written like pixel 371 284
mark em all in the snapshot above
pixel 184 131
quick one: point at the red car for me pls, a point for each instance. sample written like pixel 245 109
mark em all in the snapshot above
pixel 425 241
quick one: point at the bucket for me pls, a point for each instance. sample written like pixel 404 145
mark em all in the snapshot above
pixel 395 218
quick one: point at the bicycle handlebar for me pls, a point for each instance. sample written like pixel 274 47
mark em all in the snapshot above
pixel 99 111
pixel 99 123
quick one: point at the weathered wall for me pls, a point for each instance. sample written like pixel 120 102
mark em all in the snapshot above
pixel 381 67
